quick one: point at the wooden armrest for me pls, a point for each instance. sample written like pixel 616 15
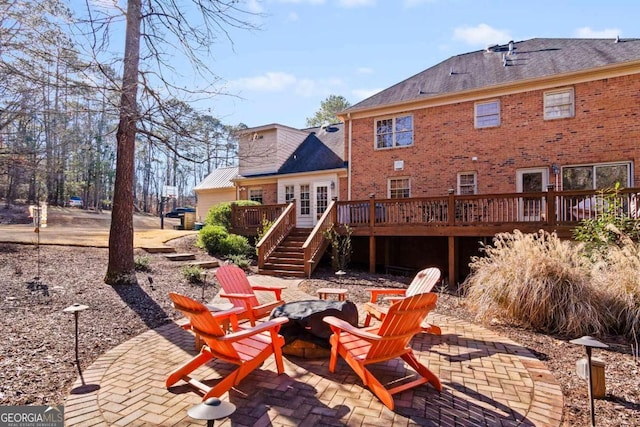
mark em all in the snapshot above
pixel 341 325
pixel 227 313
pixel 277 290
pixel 385 291
pixel 240 296
pixel 260 327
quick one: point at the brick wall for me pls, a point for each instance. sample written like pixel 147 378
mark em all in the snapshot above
pixel 606 128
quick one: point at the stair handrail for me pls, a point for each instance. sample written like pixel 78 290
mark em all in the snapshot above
pixel 317 240
pixel 276 234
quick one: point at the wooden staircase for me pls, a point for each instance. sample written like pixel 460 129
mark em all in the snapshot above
pixel 288 257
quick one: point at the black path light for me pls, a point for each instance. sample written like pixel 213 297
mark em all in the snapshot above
pixel 76 309
pixel 211 409
pixel 589 343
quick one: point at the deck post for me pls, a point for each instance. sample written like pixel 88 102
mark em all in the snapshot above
pixel 451 205
pixel 453 266
pixel 372 237
pixel 551 205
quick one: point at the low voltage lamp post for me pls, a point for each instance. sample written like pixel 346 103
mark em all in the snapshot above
pixel 589 343
pixel 76 309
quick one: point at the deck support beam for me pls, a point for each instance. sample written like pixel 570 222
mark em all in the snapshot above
pixel 372 254
pixel 453 265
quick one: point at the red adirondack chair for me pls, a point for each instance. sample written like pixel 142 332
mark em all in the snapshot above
pixel 424 282
pixel 362 347
pixel 246 348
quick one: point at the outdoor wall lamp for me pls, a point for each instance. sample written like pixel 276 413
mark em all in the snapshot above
pixel 589 343
pixel 333 185
pixel 555 169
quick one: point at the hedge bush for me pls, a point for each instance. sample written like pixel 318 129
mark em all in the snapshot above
pixel 234 244
pixel 211 238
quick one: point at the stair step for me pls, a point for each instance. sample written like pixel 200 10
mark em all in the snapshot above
pixel 180 257
pixel 158 249
pixel 283 273
pixel 205 264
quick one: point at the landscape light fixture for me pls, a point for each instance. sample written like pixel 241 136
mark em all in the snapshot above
pixel 589 343
pixel 76 309
pixel 211 409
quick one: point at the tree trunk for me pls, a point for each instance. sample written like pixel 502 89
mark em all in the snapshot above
pixel 121 268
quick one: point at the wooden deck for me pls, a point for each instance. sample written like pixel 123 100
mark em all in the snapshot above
pixel 481 215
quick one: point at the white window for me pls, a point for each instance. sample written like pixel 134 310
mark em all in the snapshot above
pixel 596 177
pixel 467 183
pixel 558 104
pixel 399 188
pixel 288 193
pixel 394 132
pixel 255 194
pixel 305 200
pixel 487 114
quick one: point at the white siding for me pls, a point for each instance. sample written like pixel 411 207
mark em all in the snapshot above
pixel 208 198
pixel 288 141
pixel 257 152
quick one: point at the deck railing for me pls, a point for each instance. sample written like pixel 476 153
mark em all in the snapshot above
pixel 276 234
pixel 317 241
pixel 546 208
pixel 246 220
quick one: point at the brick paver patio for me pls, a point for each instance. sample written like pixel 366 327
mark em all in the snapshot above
pixel 487 380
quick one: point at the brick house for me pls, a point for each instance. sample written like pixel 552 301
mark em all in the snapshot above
pixel 512 118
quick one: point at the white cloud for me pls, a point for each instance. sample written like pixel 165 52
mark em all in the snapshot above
pixel 356 3
pixel 292 17
pixel 589 33
pixel 361 94
pixel 481 35
pixel 254 6
pixel 364 70
pixel 284 82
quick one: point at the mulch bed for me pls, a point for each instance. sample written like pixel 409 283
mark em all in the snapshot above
pixel 37 356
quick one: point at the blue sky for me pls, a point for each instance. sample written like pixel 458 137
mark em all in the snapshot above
pixel 309 49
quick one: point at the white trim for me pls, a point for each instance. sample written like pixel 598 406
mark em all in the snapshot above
pixel 627 163
pixel 398 178
pixel 475 181
pixel 393 132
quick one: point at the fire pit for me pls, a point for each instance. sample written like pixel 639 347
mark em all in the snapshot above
pixel 305 334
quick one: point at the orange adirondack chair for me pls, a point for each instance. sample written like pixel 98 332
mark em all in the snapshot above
pixel 424 282
pixel 236 288
pixel 362 347
pixel 247 348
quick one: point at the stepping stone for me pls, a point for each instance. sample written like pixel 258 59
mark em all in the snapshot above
pixel 205 264
pixel 158 249
pixel 180 257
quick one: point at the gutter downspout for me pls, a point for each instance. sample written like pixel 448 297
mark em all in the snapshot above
pixel 349 158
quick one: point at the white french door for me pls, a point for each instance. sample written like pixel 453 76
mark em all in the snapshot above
pixel 529 181
pixel 320 200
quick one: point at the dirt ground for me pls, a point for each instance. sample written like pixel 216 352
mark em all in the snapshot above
pixel 37 355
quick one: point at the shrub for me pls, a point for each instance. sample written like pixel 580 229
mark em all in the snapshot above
pixel 340 247
pixel 234 244
pixel 264 229
pixel 211 238
pixel 538 281
pixel 141 263
pixel 220 214
pixel 192 273
pixel 610 226
pixel 241 261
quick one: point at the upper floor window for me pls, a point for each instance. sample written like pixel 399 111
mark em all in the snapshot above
pixel 596 177
pixel 394 132
pixel 255 194
pixel 288 193
pixel 467 183
pixel 558 104
pixel 305 200
pixel 487 114
pixel 399 188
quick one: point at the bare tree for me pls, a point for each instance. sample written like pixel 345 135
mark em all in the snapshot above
pixel 159 19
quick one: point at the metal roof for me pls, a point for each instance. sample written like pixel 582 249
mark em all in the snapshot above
pixel 219 178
